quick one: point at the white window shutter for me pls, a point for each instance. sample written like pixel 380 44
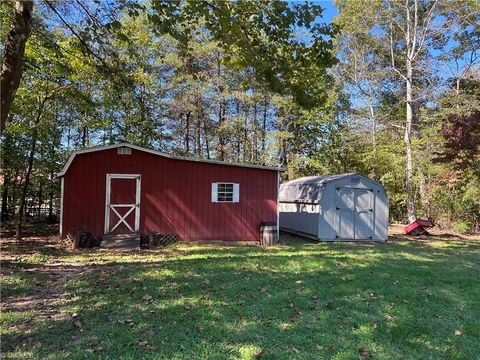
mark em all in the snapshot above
pixel 236 193
pixel 214 192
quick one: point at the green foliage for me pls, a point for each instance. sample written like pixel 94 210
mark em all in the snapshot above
pixel 261 35
pixel 373 49
pixel 243 81
pixel 462 227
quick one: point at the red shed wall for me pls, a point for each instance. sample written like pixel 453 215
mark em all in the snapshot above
pixel 175 196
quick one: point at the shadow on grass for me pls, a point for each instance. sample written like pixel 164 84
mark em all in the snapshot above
pixel 301 300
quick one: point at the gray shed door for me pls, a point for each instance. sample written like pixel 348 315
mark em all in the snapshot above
pixel 354 213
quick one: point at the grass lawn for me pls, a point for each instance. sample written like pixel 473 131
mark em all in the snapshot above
pixel 406 299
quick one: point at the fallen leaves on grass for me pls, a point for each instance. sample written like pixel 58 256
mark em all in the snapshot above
pixel 285 326
pixel 147 298
pixel 363 351
pixel 90 350
pixel 388 318
pixel 259 353
pixel 144 345
pixel 458 333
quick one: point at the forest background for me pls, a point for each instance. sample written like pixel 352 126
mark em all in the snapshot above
pixel 386 88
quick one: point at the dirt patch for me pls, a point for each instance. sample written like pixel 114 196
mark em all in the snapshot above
pixel 9 246
pixel 45 299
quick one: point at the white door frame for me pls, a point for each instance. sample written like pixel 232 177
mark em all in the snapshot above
pixel 135 206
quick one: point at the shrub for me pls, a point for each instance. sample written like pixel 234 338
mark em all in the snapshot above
pixel 462 226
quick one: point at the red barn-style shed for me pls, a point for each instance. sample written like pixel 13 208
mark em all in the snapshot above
pixel 123 188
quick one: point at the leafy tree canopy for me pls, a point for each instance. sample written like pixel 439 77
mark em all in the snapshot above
pixel 286 44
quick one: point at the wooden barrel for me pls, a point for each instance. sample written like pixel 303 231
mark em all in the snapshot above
pixel 268 233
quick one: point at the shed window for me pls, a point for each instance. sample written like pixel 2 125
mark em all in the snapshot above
pixel 225 192
pixel 124 151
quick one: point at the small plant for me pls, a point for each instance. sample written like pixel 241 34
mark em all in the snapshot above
pixel 462 226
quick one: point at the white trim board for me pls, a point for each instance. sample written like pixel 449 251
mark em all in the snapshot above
pixel 139 148
pixel 278 207
pixel 62 191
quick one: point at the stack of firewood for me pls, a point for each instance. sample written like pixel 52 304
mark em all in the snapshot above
pixel 84 239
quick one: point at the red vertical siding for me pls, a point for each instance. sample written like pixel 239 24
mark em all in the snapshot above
pixel 175 196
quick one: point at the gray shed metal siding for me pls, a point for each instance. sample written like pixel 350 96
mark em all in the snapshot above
pixel 335 207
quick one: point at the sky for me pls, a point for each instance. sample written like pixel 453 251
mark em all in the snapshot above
pixel 330 10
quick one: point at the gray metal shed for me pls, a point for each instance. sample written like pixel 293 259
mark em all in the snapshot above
pixel 334 208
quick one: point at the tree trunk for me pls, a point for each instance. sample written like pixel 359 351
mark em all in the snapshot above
pixel 187 132
pixel 373 121
pixel 4 214
pixel 23 197
pixel 143 116
pixel 50 199
pixel 245 135
pixel 410 120
pixel 40 200
pixel 255 133
pixel 238 132
pixel 14 51
pixel 26 183
pixel 5 164
pixel 457 93
pixel 221 111
pixel 84 137
pixel 198 125
pixel 205 130
pixel 264 130
pixel 16 183
pixel 198 144
pixel 221 138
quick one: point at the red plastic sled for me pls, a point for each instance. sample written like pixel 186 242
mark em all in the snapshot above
pixel 417 227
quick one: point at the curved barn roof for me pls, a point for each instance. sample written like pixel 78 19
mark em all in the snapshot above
pixel 309 188
pixel 139 148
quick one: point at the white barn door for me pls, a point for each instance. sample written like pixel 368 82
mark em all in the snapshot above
pixel 363 214
pixel 122 204
pixel 354 214
pixel 345 214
